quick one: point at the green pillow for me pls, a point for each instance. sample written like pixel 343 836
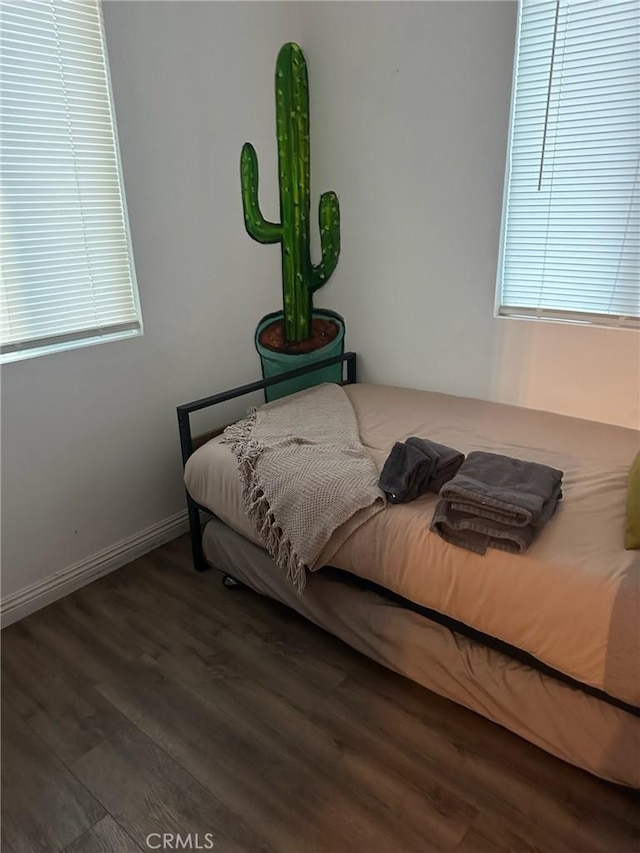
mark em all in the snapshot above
pixel 632 534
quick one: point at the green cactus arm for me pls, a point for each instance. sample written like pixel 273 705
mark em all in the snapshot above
pixel 255 223
pixel 329 217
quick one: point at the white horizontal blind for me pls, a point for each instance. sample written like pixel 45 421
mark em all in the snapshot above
pixel 66 261
pixel 571 220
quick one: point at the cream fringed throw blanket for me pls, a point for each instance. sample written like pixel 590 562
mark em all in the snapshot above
pixel 307 481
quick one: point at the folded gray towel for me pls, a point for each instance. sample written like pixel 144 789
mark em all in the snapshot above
pixel 418 466
pixel 497 501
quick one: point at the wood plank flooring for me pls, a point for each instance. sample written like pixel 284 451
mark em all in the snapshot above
pixel 156 701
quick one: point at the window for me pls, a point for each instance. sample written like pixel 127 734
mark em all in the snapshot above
pixel 571 220
pixel 67 274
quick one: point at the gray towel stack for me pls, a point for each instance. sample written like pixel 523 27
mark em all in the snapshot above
pixel 417 466
pixel 497 501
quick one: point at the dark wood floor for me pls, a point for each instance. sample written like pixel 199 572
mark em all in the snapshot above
pixel 156 701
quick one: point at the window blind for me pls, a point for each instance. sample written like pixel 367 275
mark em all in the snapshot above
pixel 571 219
pixel 67 274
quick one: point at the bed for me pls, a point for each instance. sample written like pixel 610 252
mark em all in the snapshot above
pixel 546 643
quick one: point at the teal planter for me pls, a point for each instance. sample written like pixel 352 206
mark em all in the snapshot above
pixel 274 363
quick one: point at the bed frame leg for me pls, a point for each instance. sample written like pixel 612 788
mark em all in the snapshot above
pixel 195 532
pixel 231 583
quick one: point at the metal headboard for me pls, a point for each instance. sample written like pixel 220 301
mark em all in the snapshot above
pixel 187 439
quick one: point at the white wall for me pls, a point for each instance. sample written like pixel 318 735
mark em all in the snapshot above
pixel 410 110
pixel 90 441
pixel 409 117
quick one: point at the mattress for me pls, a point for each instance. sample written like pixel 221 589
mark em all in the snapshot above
pixel 572 601
pixel 560 719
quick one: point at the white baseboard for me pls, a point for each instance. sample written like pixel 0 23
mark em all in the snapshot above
pixel 44 592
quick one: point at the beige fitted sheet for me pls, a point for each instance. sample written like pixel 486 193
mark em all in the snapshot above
pixel 558 718
pixel 572 600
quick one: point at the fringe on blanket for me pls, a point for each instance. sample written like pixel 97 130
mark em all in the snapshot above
pixel 247 450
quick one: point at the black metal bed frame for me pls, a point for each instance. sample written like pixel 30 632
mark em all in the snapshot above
pixel 186 438
pixel 200 563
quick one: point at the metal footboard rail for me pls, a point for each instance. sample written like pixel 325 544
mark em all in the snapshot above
pixel 186 438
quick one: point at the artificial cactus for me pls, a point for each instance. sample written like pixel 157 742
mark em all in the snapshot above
pixel 300 278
